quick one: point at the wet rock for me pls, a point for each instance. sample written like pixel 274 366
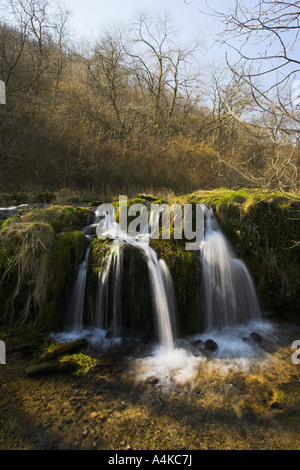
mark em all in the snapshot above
pixel 91 217
pixel 246 340
pixel 197 343
pixel 256 338
pixel 109 334
pixel 211 345
pixel 90 230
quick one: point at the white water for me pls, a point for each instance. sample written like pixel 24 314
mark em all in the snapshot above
pixel 160 282
pixel 75 311
pixel 228 289
pixel 111 266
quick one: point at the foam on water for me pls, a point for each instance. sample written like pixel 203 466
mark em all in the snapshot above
pixel 232 342
pixel 95 337
pixel 182 365
pixel 169 367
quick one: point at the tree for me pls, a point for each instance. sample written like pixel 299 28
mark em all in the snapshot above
pixel 263 35
pixel 162 70
pixel 28 32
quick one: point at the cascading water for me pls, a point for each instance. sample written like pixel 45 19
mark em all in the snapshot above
pixel 228 292
pixel 111 266
pixel 228 289
pixel 160 280
pixel 75 311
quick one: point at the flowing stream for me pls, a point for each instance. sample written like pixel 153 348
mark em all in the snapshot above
pixel 228 289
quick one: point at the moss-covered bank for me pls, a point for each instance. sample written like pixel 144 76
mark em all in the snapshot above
pixel 40 252
pixel 41 249
pixel 264 230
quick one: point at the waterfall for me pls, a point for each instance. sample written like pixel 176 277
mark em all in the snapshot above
pixel 112 266
pixel 228 289
pixel 75 311
pixel 162 307
pixel 160 283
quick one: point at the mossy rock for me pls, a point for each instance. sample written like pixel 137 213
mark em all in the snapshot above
pixel 137 310
pixel 63 259
pixel 95 203
pixel 61 218
pixel 37 267
pixel 147 197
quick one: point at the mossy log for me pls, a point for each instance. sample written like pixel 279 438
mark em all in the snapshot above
pixel 50 367
pixel 59 350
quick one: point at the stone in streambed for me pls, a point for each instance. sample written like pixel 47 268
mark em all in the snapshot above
pixel 256 338
pixel 211 345
pixel 197 343
pixel 253 338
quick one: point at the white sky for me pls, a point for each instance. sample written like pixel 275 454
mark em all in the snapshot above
pixel 89 15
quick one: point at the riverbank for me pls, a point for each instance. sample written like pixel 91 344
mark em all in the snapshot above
pixel 233 403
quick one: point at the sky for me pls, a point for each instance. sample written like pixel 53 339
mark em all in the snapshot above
pixel 89 16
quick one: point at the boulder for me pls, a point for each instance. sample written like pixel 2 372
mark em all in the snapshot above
pixel 256 338
pixel 211 345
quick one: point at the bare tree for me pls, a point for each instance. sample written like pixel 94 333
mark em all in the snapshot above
pixel 28 31
pixel 162 69
pixel 264 35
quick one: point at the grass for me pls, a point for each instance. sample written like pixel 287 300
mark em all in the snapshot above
pixel 84 363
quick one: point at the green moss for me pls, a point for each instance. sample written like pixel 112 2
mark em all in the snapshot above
pixel 61 263
pixel 95 203
pixel 84 363
pixel 35 266
pixel 61 218
pixel 9 221
pixel 147 197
